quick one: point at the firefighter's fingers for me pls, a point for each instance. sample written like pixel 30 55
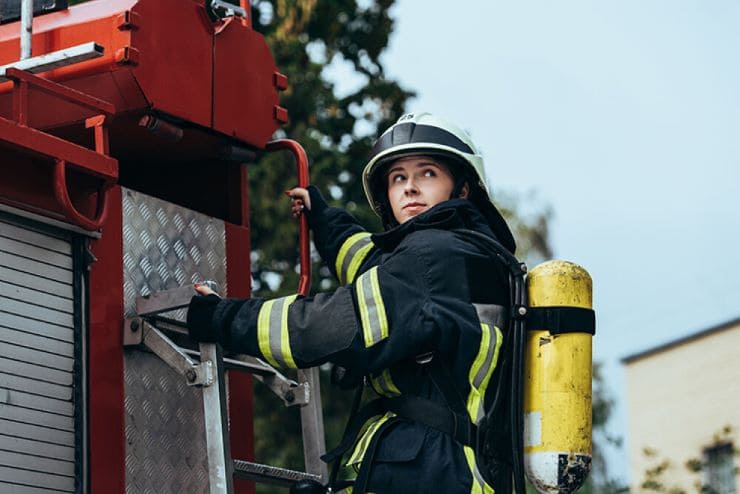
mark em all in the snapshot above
pixel 204 290
pixel 299 194
pixel 297 208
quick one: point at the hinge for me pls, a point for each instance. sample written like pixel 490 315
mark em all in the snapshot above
pixel 127 56
pixel 128 20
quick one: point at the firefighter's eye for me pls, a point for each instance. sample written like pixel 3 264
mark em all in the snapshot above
pixel 397 178
pixel 429 172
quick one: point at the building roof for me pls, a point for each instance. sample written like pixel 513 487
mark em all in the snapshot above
pixel 680 341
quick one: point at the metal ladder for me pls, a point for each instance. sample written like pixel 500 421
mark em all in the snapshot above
pixel 204 368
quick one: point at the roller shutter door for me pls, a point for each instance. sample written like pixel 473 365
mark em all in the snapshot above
pixel 39 348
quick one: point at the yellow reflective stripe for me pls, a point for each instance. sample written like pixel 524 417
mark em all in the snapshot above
pixel 272 332
pixel 263 332
pixel 499 341
pixel 354 265
pixel 372 309
pixel 482 369
pixel 361 447
pixel 343 264
pixel 479 485
pixel 384 385
pixel 390 385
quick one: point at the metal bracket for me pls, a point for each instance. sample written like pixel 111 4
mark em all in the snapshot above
pixel 222 10
pixel 139 331
pixel 168 300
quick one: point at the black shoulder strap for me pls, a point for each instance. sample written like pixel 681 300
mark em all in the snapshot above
pixel 560 320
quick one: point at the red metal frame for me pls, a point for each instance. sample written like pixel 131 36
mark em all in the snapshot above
pixel 61 152
pixel 304 284
pixel 106 422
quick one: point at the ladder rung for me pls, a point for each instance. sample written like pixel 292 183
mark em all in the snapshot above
pixel 270 475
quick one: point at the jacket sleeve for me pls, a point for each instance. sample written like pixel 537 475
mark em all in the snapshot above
pixel 389 314
pixel 342 243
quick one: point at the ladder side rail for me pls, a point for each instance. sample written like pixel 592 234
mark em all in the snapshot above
pixel 215 415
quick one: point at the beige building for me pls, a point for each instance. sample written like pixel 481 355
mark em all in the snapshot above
pixel 683 404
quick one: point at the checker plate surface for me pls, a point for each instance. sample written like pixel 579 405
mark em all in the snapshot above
pixel 165 246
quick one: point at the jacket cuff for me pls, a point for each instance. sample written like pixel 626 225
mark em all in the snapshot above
pixel 318 206
pixel 200 318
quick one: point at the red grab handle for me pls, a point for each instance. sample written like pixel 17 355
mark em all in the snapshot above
pixel 304 284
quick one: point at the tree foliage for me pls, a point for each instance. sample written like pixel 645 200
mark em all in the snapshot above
pixel 657 475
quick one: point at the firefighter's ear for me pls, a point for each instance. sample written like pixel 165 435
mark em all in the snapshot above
pixel 465 192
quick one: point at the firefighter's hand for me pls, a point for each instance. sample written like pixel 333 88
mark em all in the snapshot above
pixel 200 314
pixel 204 290
pixel 300 200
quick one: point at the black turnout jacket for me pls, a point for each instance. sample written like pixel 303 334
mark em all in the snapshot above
pixel 407 294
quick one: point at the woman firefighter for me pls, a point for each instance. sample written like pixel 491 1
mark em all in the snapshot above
pixel 419 316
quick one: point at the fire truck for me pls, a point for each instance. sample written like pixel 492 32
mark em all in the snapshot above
pixel 126 127
pixel 126 131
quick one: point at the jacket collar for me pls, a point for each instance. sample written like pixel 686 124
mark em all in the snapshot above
pixel 447 215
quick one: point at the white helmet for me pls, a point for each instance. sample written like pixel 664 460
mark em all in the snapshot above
pixel 426 134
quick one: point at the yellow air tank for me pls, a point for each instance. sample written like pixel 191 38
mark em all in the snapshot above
pixel 557 378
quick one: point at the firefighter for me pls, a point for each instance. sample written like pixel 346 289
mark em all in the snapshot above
pixel 418 316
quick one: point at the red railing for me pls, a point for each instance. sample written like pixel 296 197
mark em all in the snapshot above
pixel 304 284
pixel 63 153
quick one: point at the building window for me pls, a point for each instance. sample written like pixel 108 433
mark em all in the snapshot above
pixel 719 469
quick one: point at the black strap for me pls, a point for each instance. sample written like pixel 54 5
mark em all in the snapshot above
pixel 434 415
pixel 560 320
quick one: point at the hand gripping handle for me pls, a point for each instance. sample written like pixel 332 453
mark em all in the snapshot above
pixel 301 159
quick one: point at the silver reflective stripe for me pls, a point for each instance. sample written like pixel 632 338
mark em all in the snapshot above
pixel 479 485
pixel 482 368
pixel 272 332
pixel 351 254
pixel 372 308
pixel 488 360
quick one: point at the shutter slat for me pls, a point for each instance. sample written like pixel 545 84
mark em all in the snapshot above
pixel 39 328
pixel 37 433
pixel 38 342
pixel 45 359
pixel 34 417
pixel 24 234
pixel 30 266
pixel 36 372
pixel 35 448
pixel 12 479
pixel 30 462
pixel 35 283
pixel 33 386
pixel 36 312
pixel 36 402
pixel 35 252
pixel 36 297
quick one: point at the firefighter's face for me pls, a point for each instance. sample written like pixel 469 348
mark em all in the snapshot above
pixel 415 184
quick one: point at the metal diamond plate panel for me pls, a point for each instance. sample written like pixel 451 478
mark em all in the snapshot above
pixel 165 246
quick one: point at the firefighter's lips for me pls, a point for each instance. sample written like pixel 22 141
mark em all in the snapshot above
pixel 414 206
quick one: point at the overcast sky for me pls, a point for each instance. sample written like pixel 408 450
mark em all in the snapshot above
pixel 624 116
